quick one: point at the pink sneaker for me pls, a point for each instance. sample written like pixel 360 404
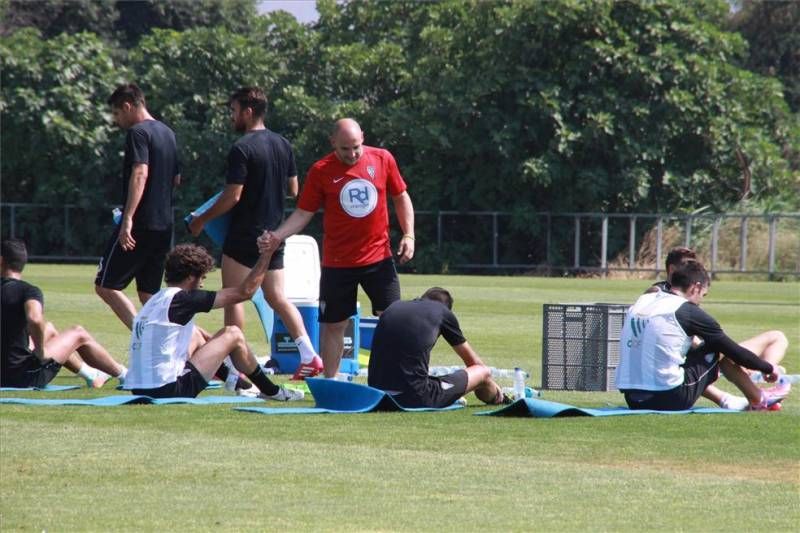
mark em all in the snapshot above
pixel 779 391
pixel 308 370
pixel 767 403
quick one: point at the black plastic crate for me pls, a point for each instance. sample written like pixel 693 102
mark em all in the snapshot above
pixel 580 346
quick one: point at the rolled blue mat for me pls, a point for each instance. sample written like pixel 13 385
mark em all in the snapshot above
pixel 340 397
pixel 46 388
pixel 535 408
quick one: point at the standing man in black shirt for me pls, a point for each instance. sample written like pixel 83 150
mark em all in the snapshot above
pixel 33 351
pixel 150 171
pixel 401 353
pixel 261 170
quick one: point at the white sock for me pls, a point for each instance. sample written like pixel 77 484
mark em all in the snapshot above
pixel 87 372
pixel 123 374
pixel 305 348
pixel 734 403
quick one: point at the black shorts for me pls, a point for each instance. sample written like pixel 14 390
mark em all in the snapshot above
pixel 338 289
pixel 700 371
pixel 35 375
pixel 248 255
pixel 439 391
pixel 188 385
pixel 145 262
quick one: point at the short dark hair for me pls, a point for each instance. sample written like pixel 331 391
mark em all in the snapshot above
pixel 440 295
pixel 679 255
pixel 251 97
pixel 688 274
pixel 15 254
pixel 187 260
pixel 127 92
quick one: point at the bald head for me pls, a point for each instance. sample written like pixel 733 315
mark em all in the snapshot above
pixel 347 141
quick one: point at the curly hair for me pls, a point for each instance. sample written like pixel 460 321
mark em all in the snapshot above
pixel 187 260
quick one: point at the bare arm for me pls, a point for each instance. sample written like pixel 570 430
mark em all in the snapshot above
pixel 138 180
pixel 404 210
pixel 467 354
pixel 34 314
pixel 247 288
pixel 229 198
pixel 293 187
pixel 298 220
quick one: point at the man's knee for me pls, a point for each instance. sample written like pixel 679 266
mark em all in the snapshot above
pixel 778 337
pixel 80 334
pixel 233 335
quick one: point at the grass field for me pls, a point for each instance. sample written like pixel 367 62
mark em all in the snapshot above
pixel 175 468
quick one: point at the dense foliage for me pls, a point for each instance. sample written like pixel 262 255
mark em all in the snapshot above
pixel 518 106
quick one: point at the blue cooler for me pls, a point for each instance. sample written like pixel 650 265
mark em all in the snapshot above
pixel 367 330
pixel 284 350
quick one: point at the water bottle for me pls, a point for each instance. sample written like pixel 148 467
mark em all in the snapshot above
pixel 501 372
pixel 519 383
pixel 116 215
pixel 231 380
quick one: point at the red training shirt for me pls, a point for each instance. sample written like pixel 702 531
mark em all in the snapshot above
pixel 356 218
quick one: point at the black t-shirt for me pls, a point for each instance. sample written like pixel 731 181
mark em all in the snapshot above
pixel 402 343
pixel 695 321
pixel 16 355
pixel 186 304
pixel 263 162
pixel 152 143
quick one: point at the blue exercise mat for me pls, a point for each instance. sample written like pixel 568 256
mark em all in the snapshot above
pixel 216 230
pixel 536 408
pixel 46 388
pixel 337 397
pixel 128 399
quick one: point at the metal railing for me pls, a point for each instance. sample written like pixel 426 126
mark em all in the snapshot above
pixel 495 240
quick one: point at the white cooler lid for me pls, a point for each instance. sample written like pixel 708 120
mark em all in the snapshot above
pixel 302 268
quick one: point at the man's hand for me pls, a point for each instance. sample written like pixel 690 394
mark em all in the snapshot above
pixel 773 376
pixel 125 238
pixel 405 251
pixel 267 242
pixel 196 225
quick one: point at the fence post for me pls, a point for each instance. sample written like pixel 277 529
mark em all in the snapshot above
pixel 66 230
pixel 689 221
pixel 548 257
pixel 659 247
pixel 714 243
pixel 632 242
pixel 773 230
pixel 577 242
pixel 439 231
pixel 494 239
pixel 743 245
pixel 604 246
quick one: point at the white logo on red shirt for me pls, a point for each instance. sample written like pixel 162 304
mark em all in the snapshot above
pixel 358 198
pixel 337 180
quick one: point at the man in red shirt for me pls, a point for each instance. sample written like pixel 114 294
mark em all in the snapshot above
pixel 352 185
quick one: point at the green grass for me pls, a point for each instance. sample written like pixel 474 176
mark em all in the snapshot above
pixel 147 468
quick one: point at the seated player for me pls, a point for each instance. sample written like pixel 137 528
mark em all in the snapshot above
pixel 33 351
pixel 675 258
pixel 169 357
pixel 771 344
pixel 401 350
pixel 656 369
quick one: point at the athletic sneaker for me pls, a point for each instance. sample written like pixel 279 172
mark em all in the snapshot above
pixel 767 403
pixel 252 392
pixel 98 380
pixel 308 370
pixel 779 391
pixel 284 395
